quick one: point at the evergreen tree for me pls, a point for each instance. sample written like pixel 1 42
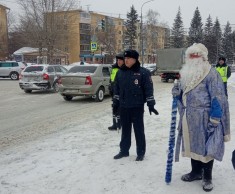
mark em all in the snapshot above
pixel 178 31
pixel 227 43
pixel 131 29
pixel 208 38
pixel 217 33
pixel 195 30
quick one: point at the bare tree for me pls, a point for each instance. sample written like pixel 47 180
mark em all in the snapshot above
pixel 107 38
pixel 41 21
pixel 11 21
pixel 150 34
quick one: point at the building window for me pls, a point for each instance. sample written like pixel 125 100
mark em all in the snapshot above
pixel 85 15
pixel 58 27
pixel 66 49
pixel 84 38
pixel 84 47
pixel 85 26
pixel 66 38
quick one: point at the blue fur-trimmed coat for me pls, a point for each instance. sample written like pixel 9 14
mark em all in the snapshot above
pixel 204 123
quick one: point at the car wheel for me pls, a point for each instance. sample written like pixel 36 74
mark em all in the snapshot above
pixel 68 98
pixel 56 87
pixel 99 95
pixel 27 91
pixel 14 76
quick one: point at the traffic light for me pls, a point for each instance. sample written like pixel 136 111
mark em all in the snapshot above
pixel 103 24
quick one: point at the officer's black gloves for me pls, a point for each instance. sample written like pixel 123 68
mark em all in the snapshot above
pixel 115 109
pixel 152 109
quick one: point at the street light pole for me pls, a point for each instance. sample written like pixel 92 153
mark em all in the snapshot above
pixel 141 32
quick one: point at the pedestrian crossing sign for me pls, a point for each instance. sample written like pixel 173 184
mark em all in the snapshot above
pixel 93 46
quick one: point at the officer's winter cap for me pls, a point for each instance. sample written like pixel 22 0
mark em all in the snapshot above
pixel 120 56
pixel 197 50
pixel 222 58
pixel 132 54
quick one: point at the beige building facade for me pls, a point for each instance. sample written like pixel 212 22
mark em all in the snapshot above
pixel 80 28
pixel 154 37
pixel 3 33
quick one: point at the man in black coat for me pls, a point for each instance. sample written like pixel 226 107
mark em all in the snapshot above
pixel 133 87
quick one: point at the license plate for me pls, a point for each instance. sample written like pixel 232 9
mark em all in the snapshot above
pixel 28 85
pixel 31 79
pixel 71 91
pixel 34 79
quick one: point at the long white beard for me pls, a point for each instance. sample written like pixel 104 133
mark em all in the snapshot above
pixel 192 71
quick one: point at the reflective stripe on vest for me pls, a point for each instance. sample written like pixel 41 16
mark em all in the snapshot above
pixel 113 74
pixel 223 73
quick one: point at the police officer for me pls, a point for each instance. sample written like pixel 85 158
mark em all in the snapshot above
pixel 133 87
pixel 224 71
pixel 119 63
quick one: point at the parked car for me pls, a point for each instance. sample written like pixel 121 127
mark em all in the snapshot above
pixel 86 80
pixel 152 68
pixel 73 64
pixel 41 77
pixel 11 69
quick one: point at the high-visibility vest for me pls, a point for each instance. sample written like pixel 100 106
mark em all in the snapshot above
pixel 223 73
pixel 113 74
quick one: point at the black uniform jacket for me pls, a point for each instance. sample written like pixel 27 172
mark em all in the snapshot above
pixel 133 87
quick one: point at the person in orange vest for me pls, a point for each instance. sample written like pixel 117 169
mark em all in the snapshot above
pixel 224 71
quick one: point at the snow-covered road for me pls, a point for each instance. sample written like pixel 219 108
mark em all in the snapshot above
pixel 79 159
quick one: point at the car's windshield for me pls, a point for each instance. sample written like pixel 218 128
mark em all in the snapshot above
pixel 83 69
pixel 33 68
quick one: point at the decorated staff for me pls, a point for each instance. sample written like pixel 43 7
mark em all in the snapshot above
pixel 172 134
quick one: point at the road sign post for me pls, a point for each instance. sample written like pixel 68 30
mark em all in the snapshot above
pixel 93 46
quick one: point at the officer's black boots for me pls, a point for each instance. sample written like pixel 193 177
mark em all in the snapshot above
pixel 207 184
pixel 195 174
pixel 139 158
pixel 114 126
pixel 120 155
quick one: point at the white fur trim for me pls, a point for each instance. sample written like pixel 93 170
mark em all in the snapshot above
pixel 195 156
pixel 214 121
pixel 227 138
pixel 199 49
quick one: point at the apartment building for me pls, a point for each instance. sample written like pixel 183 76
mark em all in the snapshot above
pixel 3 33
pixel 154 37
pixel 77 29
pixel 80 28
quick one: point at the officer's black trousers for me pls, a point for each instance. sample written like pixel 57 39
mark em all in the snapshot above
pixel 226 89
pixel 133 116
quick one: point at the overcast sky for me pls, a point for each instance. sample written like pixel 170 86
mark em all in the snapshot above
pixel 224 10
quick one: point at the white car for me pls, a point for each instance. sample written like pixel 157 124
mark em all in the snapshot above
pixel 11 69
pixel 41 77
